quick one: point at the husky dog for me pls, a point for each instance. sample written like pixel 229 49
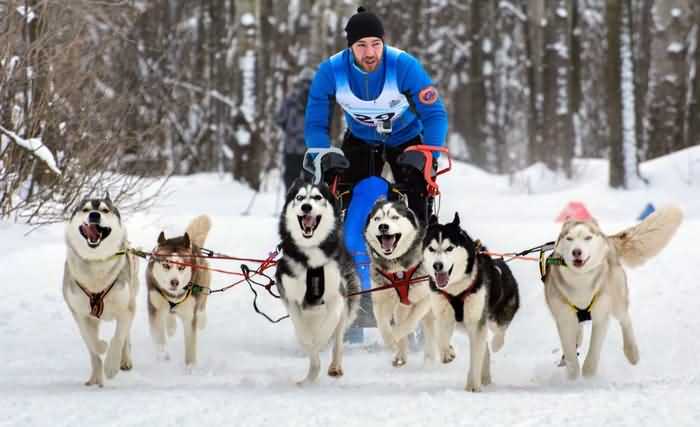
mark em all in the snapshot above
pixel 470 290
pixel 316 275
pixel 100 283
pixel 394 239
pixel 179 290
pixel 589 282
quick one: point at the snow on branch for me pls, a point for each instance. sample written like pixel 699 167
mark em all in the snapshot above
pixel 514 10
pixel 36 147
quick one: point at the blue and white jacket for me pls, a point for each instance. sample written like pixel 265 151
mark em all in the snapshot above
pixel 398 90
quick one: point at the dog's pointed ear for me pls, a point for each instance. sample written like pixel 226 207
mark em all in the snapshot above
pixel 455 221
pixel 187 241
pixel 433 220
pixel 161 238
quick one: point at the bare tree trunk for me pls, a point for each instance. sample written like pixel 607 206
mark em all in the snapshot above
pixel 692 135
pixel 613 18
pixel 535 52
pixel 669 70
pixel 558 133
pixel 475 114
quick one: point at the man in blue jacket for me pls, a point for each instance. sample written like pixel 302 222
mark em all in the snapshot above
pixel 389 103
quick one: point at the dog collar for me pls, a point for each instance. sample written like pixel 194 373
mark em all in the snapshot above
pixel 174 304
pixel 545 262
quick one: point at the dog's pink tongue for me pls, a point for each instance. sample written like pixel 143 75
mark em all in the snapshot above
pixel 388 242
pixel 442 278
pixel 90 231
pixel 309 221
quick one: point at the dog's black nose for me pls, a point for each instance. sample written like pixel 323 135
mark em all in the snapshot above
pixel 94 218
pixel 437 266
pixel 383 228
pixel 576 253
pixel 174 283
pixel 306 208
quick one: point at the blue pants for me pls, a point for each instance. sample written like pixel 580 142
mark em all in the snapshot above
pixel 364 195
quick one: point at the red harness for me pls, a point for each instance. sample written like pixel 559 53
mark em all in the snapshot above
pixel 401 281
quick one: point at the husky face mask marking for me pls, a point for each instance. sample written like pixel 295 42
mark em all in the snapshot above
pixel 391 229
pixel 309 214
pixel 581 246
pixel 92 224
pixel 445 252
pixel 171 276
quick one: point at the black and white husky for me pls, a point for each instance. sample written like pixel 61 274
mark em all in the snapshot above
pixel 394 239
pixel 470 290
pixel 316 274
pixel 100 283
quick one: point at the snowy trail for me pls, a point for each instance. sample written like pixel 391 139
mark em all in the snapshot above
pixel 248 366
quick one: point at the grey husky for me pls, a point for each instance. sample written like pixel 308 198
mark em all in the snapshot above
pixel 589 282
pixel 100 283
pixel 316 275
pixel 470 291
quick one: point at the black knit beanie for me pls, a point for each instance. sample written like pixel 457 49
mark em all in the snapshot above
pixel 363 24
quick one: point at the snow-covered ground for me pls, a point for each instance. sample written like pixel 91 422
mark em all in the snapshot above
pixel 248 366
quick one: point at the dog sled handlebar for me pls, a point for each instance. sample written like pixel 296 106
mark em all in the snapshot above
pixel 428 174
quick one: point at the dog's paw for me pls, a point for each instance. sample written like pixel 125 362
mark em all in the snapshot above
pixel 126 365
pixel 472 387
pixel 448 355
pixel 398 361
pixel 95 380
pixel 335 371
pixel 632 354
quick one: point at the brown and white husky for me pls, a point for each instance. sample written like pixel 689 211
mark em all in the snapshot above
pixel 178 285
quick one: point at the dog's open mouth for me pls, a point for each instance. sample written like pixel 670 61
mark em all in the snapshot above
pixel 94 233
pixel 388 242
pixel 442 278
pixel 579 262
pixel 308 224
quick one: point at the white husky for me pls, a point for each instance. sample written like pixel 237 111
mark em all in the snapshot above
pixel 590 283
pixel 100 283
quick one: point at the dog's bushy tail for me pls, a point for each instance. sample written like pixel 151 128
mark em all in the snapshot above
pixel 638 244
pixel 198 230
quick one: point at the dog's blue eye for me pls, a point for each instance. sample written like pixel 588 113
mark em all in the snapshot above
pixel 450 249
pixel 300 198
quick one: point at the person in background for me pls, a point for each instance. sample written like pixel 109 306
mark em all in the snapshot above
pixel 290 118
pixel 389 103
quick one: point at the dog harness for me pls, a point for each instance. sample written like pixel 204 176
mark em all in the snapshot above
pixel 97 303
pixel 457 301
pixel 400 281
pixel 173 304
pixel 315 286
